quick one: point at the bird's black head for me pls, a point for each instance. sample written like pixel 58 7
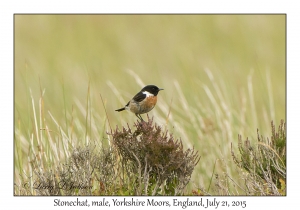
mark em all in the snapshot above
pixel 151 89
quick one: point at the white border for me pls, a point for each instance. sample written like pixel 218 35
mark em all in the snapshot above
pixel 8 8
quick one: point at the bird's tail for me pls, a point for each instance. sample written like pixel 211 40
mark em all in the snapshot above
pixel 119 110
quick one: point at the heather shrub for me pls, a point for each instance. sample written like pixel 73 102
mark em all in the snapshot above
pixel 264 162
pixel 161 165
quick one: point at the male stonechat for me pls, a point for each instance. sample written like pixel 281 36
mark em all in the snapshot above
pixel 143 102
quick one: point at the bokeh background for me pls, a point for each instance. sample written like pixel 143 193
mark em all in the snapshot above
pixel 222 75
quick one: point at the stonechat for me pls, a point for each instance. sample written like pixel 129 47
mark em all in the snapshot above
pixel 143 102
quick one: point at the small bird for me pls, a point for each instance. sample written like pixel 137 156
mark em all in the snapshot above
pixel 143 102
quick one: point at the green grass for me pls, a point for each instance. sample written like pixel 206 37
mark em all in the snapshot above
pixel 222 75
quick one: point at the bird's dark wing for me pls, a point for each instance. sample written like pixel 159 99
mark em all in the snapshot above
pixel 139 97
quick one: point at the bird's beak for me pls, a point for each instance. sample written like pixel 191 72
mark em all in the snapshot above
pixel 160 89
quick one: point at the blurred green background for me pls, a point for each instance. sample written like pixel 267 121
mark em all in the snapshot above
pixel 222 75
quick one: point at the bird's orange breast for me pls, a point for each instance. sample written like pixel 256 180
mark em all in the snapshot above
pixel 144 106
pixel 151 101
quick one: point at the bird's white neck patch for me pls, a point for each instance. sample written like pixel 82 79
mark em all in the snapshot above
pixel 147 94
